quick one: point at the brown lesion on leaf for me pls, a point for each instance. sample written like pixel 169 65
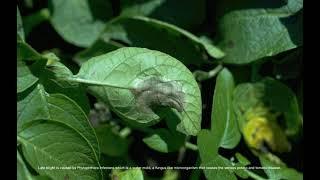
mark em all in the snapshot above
pixel 154 92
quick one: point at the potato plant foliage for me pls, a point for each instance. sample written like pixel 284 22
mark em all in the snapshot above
pixel 146 89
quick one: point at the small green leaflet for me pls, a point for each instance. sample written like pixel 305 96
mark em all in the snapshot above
pixel 163 140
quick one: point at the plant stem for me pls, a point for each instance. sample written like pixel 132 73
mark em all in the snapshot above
pixel 202 75
pixel 191 146
pixel 125 132
pixel 215 71
pixel 182 152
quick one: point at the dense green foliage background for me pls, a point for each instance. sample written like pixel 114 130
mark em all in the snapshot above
pixel 106 83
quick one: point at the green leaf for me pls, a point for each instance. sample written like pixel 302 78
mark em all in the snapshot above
pixel 131 174
pixel 28 75
pixel 75 91
pixel 166 140
pixel 110 142
pixel 163 140
pixel 26 53
pixel 25 78
pixel 79 22
pixel 20 31
pixel 223 122
pixel 224 130
pixel 243 160
pixel 153 34
pixel 278 174
pixel 53 144
pixel 38 105
pixel 218 174
pixel 134 81
pixel 250 34
pixel 167 10
pixel 208 145
pixel 22 170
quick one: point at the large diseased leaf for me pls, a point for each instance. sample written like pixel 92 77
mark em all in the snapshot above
pixel 134 81
pixel 170 11
pixel 251 34
pixel 153 34
pixel 38 105
pixel 55 145
pixel 79 21
pixel 223 121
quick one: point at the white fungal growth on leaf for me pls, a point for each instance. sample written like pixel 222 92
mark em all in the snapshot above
pixel 153 92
